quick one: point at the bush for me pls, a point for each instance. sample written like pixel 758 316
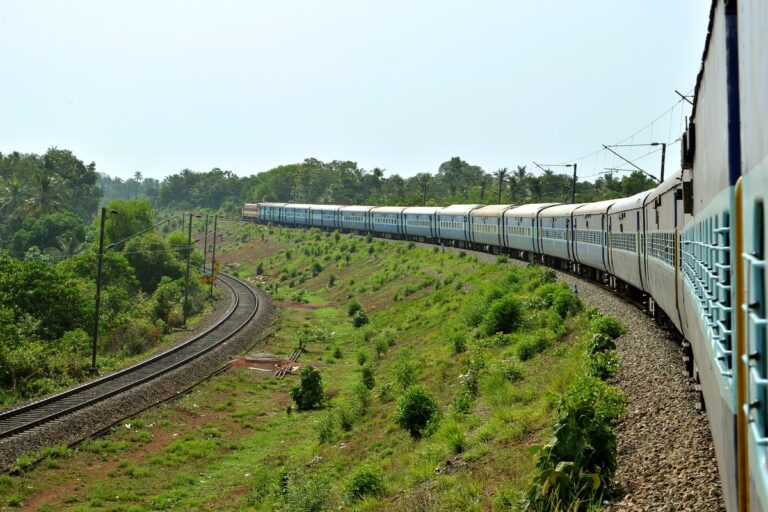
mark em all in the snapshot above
pixel 366 375
pixel 603 365
pixel 503 316
pixel 353 306
pixel 309 393
pixel 260 269
pixel 416 410
pixel 600 343
pixel 609 326
pixel 381 347
pixel 565 302
pixel 406 372
pixel 359 319
pixel 364 481
pixel 578 463
pixel 531 345
pixel 384 391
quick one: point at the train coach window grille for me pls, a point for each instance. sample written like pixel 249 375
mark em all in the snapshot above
pixel 519 230
pixel 590 236
pixel 756 322
pixel 554 233
pixel 720 285
pixel 624 242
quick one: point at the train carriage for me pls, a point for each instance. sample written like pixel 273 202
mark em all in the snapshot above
pixel 453 223
pixel 751 198
pixel 296 214
pixel 663 214
pixel 387 220
pixel 556 231
pixel 325 216
pixel 355 218
pixel 420 222
pixel 487 227
pixel 625 240
pixel 521 229
pixel 590 241
pixel 271 212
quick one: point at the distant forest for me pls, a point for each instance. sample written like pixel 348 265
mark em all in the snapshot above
pixel 344 182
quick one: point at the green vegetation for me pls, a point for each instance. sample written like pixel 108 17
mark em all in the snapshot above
pixel 309 393
pixel 427 406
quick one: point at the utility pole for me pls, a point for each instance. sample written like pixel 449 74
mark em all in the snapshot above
pixel 663 158
pixel 573 188
pixel 95 337
pixel 213 256
pixel 205 243
pixel 186 277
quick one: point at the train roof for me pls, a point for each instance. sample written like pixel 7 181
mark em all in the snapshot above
pixel 559 210
pixel 299 205
pixel 597 207
pixel 629 203
pixel 388 209
pixel 326 207
pixel 420 210
pixel 492 210
pixel 356 208
pixel 273 205
pixel 458 209
pixel 527 210
pixel 673 181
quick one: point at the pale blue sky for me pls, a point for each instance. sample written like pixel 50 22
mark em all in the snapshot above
pixel 403 85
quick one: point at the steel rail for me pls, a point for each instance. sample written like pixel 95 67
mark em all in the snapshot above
pixel 31 415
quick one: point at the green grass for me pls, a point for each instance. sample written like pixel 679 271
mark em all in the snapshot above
pixel 232 446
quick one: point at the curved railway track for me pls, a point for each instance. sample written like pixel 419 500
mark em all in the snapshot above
pixel 29 416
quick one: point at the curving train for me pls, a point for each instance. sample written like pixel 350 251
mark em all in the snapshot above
pixel 692 249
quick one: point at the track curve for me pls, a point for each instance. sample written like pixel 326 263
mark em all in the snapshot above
pixel 29 416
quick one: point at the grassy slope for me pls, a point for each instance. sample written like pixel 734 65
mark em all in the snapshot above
pixel 225 446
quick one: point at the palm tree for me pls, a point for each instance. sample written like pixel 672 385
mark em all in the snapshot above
pixel 500 176
pixel 47 195
pixel 138 177
pixel 12 195
pixel 520 178
pixel 67 245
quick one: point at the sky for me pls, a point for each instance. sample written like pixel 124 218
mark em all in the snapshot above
pixel 159 86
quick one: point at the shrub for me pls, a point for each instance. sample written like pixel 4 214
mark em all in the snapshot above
pixel 600 343
pixel 331 281
pixel 364 481
pixel 512 371
pixel 501 259
pixel 463 403
pixel 362 398
pixel 359 319
pixel 566 302
pixel 353 306
pixel 609 326
pixel 578 463
pixel 406 372
pixel 366 375
pixel 381 347
pixel 416 410
pixel 362 357
pixel 309 393
pixel 260 269
pixel 530 346
pixel 346 417
pixel 603 365
pixel 502 316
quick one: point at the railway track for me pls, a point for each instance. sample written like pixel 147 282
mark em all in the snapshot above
pixel 35 414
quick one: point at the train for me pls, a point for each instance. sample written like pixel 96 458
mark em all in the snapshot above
pixel 692 249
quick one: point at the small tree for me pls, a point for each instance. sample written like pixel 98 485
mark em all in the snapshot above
pixel 366 375
pixel 309 393
pixel 416 409
pixel 353 306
